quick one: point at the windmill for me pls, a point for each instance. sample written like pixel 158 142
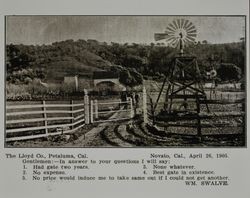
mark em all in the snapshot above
pixel 180 33
pixel 183 78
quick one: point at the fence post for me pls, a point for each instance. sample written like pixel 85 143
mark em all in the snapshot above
pixel 120 103
pixel 96 109
pixel 91 111
pixel 198 117
pixel 243 109
pixel 45 118
pixel 144 105
pixel 131 107
pixel 86 106
pixel 72 114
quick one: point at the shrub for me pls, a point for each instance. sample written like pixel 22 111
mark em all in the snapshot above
pixel 229 72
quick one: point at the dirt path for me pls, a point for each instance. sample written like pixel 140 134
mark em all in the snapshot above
pixel 103 135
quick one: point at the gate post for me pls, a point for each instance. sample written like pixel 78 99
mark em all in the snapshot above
pixel 144 105
pixel 96 109
pixel 131 107
pixel 72 114
pixel 45 118
pixel 198 116
pixel 86 106
pixel 91 111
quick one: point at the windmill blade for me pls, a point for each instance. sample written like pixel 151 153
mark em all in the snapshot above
pixel 179 23
pixel 170 29
pixel 160 36
pixel 172 26
pixel 182 23
pixel 190 38
pixel 170 39
pixel 175 42
pixel 192 31
pixel 191 28
pixel 185 24
pixel 175 24
pixel 189 25
pixel 192 35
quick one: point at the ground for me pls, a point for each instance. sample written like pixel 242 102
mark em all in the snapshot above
pixel 132 134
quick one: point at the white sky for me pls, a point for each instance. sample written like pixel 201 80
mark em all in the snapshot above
pixel 121 29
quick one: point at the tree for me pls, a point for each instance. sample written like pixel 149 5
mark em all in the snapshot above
pixel 229 72
pixel 204 42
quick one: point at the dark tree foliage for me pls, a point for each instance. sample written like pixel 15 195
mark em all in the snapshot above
pixel 148 60
pixel 229 72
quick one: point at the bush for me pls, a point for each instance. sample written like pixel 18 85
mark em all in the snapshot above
pixel 17 92
pixel 128 76
pixel 229 72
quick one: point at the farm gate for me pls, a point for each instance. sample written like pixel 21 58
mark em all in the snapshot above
pixel 36 119
pixel 109 111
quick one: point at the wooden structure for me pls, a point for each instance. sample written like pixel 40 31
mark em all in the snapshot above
pixel 45 118
pixel 184 82
pixel 101 111
pixel 41 119
pixel 199 120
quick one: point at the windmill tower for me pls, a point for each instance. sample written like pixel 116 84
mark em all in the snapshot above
pixel 183 79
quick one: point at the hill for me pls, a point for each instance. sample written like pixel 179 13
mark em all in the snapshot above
pixel 52 62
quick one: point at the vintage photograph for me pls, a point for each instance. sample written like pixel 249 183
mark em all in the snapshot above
pixel 125 81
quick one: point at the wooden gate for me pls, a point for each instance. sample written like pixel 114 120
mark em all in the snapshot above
pixel 102 111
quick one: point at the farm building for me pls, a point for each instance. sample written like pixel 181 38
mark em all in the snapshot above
pixel 78 82
pixel 103 81
pixel 72 80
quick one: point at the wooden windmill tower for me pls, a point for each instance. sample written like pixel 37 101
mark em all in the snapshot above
pixel 183 79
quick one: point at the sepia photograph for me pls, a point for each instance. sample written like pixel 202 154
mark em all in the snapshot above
pixel 100 81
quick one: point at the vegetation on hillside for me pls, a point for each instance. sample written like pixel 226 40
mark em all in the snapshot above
pixel 132 61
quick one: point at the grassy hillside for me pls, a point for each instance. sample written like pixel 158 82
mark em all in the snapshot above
pixel 56 70
pixel 52 62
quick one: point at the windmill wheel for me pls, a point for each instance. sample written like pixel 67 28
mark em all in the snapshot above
pixel 179 33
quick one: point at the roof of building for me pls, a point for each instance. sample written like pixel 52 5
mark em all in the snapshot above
pixel 104 75
pixel 79 75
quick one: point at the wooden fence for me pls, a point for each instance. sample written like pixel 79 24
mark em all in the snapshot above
pixel 37 119
pixel 101 111
pixel 211 120
pixel 29 121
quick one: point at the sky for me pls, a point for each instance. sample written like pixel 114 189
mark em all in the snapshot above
pixel 121 29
